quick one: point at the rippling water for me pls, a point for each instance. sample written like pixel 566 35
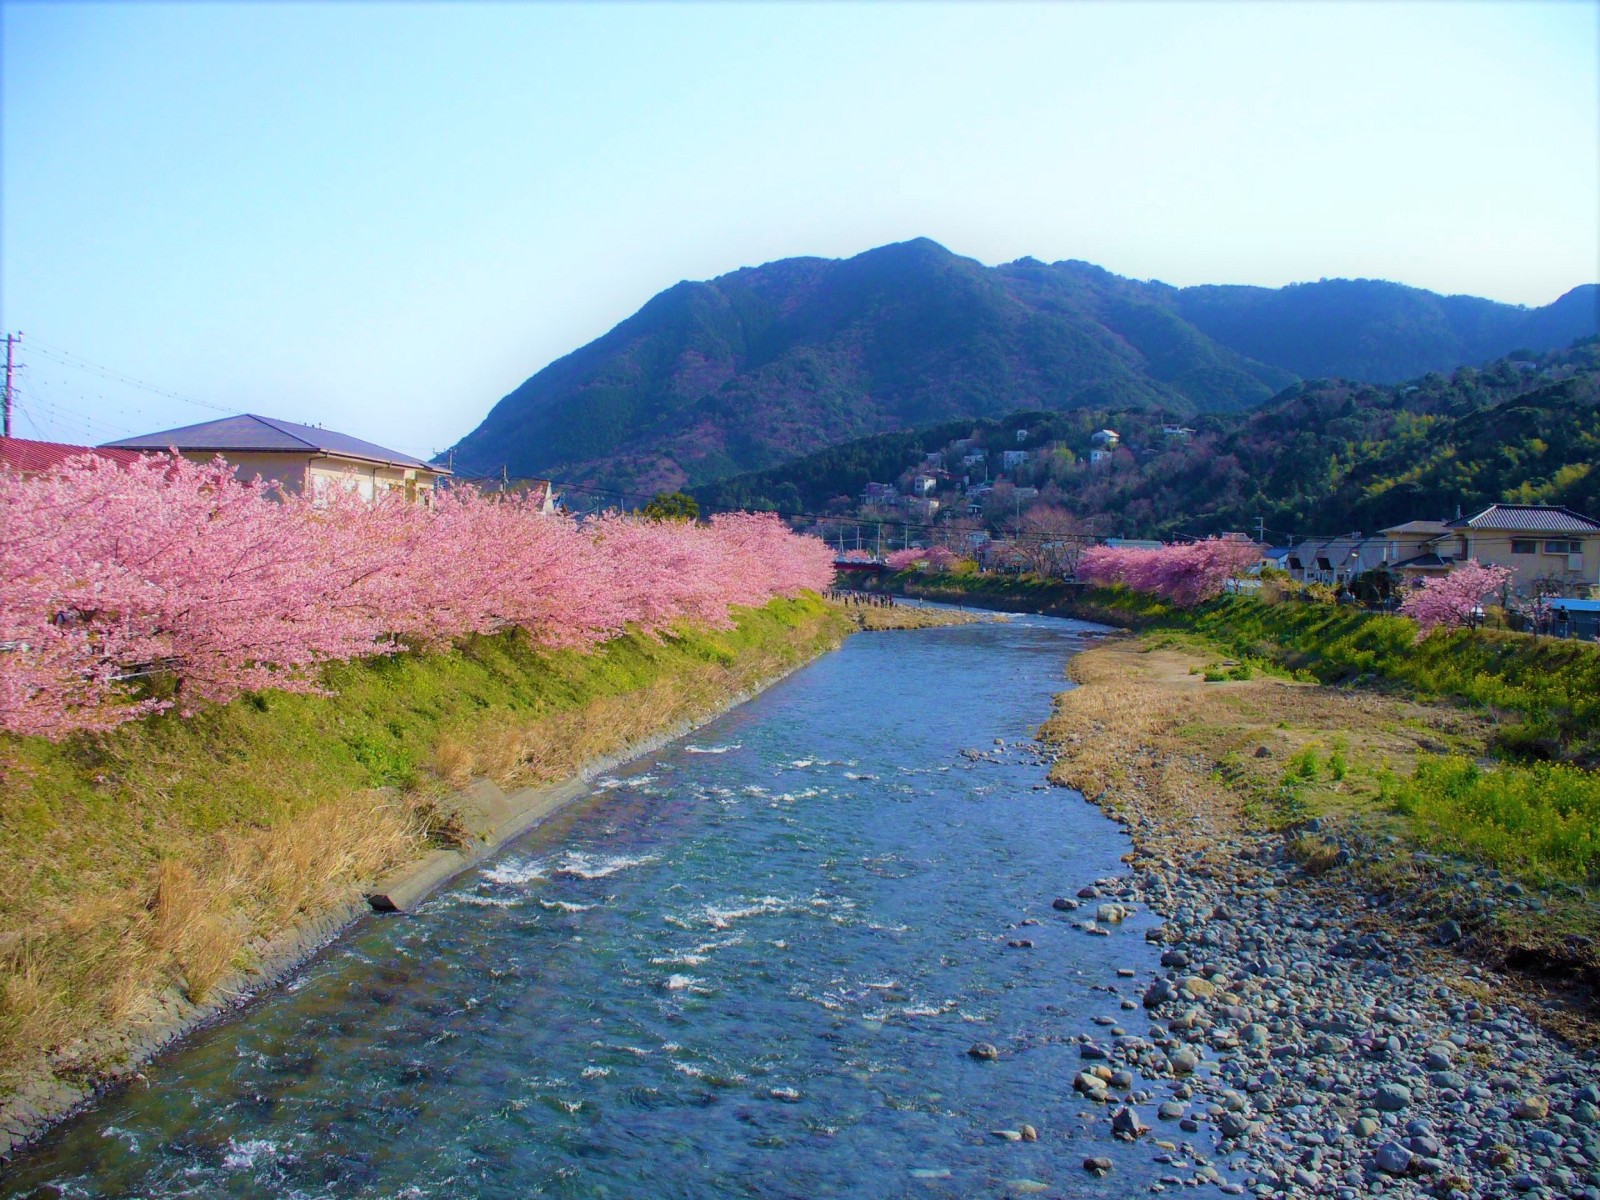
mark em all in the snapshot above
pixel 749 965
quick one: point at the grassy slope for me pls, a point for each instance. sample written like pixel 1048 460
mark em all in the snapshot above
pixel 151 858
pixel 1534 706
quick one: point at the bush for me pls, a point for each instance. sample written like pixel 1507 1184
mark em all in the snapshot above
pixel 1544 816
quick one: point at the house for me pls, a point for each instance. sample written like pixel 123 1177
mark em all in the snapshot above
pixel 1023 495
pixel 1096 457
pixel 28 457
pixel 1335 561
pixel 1134 544
pixel 1411 550
pixel 1178 432
pixel 974 458
pixel 924 485
pixel 1107 438
pixel 302 458
pixel 1022 436
pixel 1546 544
pixel 1275 557
pixel 923 508
pixel 1012 458
pixel 879 493
pixel 933 458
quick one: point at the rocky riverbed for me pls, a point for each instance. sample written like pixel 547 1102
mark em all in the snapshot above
pixel 1297 1041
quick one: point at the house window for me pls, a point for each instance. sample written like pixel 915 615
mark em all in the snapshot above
pixel 1519 546
pixel 1559 547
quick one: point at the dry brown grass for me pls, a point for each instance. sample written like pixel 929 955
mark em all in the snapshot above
pixel 108 956
pixel 901 616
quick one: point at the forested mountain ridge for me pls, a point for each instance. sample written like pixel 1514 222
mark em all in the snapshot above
pixel 759 366
pixel 1327 456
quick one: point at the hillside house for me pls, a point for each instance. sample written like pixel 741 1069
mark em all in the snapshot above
pixel 1107 439
pixel 879 493
pixel 1411 550
pixel 924 485
pixel 1098 457
pixel 1177 432
pixel 301 458
pixel 1012 458
pixel 1335 561
pixel 1542 544
pixel 1022 436
pixel 974 458
pixel 28 457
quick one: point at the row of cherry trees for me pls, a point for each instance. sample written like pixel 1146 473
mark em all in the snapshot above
pixel 1185 573
pixel 111 573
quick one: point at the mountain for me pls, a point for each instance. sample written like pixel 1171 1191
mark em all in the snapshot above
pixel 1327 456
pixel 754 368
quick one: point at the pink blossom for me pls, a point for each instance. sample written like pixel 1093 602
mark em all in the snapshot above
pixel 1456 599
pixel 1185 573
pixel 110 573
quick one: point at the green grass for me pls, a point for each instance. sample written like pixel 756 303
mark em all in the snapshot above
pixel 1550 687
pixel 256 811
pixel 1540 820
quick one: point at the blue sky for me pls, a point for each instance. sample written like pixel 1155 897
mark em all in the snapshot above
pixel 383 218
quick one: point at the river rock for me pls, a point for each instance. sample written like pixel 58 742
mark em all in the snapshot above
pixel 1531 1108
pixel 1097 1166
pixel 1062 904
pixel 1393 1158
pixel 983 1050
pixel 1126 1122
pixel 1392 1097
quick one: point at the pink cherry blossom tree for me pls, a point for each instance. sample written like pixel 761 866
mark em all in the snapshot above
pixel 1186 573
pixel 1454 600
pixel 110 574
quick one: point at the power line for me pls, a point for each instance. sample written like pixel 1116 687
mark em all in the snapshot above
pixel 68 359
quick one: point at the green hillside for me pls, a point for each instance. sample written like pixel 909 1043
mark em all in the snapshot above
pixel 1326 456
pixel 755 368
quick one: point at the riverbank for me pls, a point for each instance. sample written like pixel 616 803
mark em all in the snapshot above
pixel 159 874
pixel 1336 1010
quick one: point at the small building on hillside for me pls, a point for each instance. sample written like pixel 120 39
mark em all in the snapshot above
pixel 1545 545
pixel 28 457
pixel 302 458
pixel 924 485
pixel 1575 619
pixel 879 493
pixel 1012 458
pixel 1107 438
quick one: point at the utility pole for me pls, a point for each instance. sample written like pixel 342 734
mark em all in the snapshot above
pixel 13 340
pixel 1261 530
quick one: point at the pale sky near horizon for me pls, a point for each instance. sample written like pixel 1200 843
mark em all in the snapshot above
pixel 384 217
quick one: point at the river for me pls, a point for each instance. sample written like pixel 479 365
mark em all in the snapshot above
pixel 749 965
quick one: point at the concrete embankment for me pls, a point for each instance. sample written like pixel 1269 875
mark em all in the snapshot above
pixel 161 875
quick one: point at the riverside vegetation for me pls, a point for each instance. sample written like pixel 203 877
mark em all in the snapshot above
pixel 223 710
pixel 156 860
pixel 1477 748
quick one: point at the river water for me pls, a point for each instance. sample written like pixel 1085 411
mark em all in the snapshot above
pixel 749 965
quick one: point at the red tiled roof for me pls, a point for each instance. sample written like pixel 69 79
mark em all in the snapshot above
pixel 1528 518
pixel 22 454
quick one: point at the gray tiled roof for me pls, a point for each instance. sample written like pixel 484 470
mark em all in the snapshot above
pixel 1417 527
pixel 250 432
pixel 1528 518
